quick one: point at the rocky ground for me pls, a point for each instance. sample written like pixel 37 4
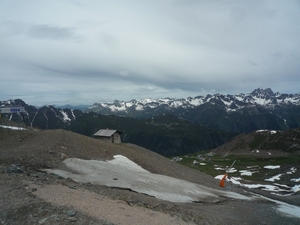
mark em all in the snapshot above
pixel 30 196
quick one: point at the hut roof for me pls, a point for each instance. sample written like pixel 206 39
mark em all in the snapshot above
pixel 106 132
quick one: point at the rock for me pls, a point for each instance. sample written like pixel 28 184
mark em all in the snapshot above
pixel 14 169
pixel 70 213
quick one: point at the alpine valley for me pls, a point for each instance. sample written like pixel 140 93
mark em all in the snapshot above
pixel 171 126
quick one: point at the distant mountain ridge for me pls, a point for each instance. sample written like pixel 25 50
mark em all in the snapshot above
pixel 260 109
pixel 173 126
pixel 166 134
pixel 266 98
pixel 45 117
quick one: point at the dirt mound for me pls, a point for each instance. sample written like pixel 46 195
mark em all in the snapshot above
pixel 25 199
pixel 48 148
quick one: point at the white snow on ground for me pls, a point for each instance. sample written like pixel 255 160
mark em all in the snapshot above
pixel 219 168
pixel 271 131
pixel 272 167
pixel 296 179
pixel 122 172
pixel 276 177
pixel 277 189
pixel 282 185
pixel 292 170
pixel 231 170
pixel 259 131
pixel 245 173
pixel 296 188
pixel 283 207
pixel 13 128
pixel 274 188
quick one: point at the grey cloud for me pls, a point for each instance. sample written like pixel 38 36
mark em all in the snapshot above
pixel 252 63
pixel 45 31
pixel 176 48
pixel 38 31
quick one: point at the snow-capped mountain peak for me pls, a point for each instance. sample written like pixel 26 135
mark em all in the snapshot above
pixel 262 97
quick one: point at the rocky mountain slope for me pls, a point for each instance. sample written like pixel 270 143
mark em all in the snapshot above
pixel 46 117
pixel 269 142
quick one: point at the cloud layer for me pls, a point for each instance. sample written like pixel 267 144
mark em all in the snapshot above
pixel 76 51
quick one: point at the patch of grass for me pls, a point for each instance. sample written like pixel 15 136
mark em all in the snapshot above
pixel 243 162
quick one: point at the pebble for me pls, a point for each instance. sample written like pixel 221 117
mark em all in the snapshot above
pixel 70 213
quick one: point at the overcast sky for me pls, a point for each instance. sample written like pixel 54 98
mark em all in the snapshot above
pixel 80 51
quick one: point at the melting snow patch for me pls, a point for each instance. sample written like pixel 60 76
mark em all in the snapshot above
pixel 249 167
pixel 235 180
pixel 13 128
pixel 292 170
pixel 219 168
pixel 259 131
pixel 295 179
pixel 245 173
pixel 296 188
pixel 272 167
pixel 231 170
pixel 275 188
pixel 276 177
pixel 124 173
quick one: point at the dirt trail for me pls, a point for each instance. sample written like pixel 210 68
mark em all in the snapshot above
pixel 103 208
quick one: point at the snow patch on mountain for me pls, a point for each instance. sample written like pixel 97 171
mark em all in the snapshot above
pixel 259 97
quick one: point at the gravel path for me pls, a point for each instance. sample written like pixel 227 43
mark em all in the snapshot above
pixel 103 208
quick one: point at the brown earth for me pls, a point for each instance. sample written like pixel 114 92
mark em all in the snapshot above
pixel 30 196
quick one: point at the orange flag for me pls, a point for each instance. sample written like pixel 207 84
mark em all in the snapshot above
pixel 222 181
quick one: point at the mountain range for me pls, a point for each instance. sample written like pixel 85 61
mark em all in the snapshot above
pixel 171 126
pixel 260 109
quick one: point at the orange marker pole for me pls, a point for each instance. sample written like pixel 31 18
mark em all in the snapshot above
pixel 222 181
